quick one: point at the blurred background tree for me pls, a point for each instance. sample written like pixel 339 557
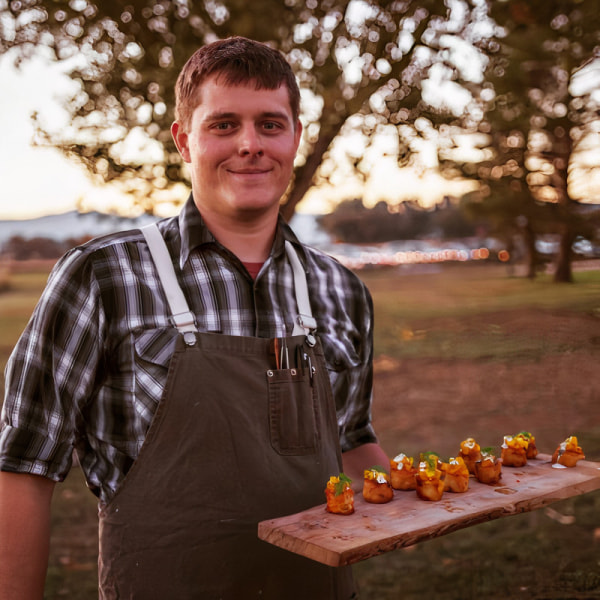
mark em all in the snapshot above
pixel 499 89
pixel 353 59
pixel 538 120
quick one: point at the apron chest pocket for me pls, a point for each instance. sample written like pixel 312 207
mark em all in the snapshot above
pixel 292 419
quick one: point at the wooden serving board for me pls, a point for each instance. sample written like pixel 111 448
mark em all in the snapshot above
pixel 373 529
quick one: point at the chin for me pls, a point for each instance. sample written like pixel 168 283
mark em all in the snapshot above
pixel 256 206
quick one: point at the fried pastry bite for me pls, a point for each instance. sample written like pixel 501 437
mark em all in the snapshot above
pixel 403 472
pixel 514 451
pixel 488 469
pixel 568 453
pixel 470 452
pixel 456 475
pixel 430 485
pixel 532 450
pixel 340 495
pixel 376 486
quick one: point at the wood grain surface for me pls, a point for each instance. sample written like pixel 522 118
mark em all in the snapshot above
pixel 374 529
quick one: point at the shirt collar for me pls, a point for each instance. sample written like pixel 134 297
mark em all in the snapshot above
pixel 193 230
pixel 194 234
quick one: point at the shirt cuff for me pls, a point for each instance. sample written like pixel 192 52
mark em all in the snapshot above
pixel 26 451
pixel 353 439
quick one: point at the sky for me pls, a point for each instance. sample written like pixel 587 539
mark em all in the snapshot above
pixel 39 180
pixel 36 180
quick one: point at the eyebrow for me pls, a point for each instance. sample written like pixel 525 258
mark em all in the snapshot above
pixel 216 116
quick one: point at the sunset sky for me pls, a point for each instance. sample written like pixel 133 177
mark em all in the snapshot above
pixel 35 181
pixel 40 180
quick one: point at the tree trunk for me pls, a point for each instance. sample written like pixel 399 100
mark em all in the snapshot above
pixel 333 119
pixel 563 272
pixel 303 177
pixel 563 147
pixel 529 238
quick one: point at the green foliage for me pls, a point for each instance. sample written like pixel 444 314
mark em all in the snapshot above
pixel 343 53
pixel 136 51
pixel 533 123
pixel 352 222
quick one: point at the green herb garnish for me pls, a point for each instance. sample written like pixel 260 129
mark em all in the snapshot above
pixel 430 459
pixel 341 484
pixel 378 468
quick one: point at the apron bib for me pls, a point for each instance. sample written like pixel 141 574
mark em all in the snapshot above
pixel 245 431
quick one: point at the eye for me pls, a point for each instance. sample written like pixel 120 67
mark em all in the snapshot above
pixel 222 127
pixel 272 126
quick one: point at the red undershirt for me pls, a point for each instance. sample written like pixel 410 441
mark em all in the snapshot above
pixel 253 268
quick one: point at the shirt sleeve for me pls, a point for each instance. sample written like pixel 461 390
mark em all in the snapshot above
pixel 353 383
pixel 343 307
pixel 51 373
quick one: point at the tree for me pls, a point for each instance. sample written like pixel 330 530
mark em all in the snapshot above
pixel 535 122
pixel 351 57
pixel 352 222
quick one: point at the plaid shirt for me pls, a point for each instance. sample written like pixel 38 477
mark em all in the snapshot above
pixel 90 368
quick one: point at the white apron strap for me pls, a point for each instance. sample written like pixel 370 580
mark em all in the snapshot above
pixel 184 319
pixel 304 323
pixel 181 315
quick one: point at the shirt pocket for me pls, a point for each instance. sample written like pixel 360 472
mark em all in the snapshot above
pixel 340 353
pixel 156 346
pixel 153 350
pixel 342 362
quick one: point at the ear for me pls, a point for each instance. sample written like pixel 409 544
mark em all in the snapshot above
pixel 181 141
pixel 298 133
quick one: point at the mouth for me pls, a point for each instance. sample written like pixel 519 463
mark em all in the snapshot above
pixel 249 171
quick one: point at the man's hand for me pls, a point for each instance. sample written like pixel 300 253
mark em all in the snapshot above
pixel 363 457
pixel 24 535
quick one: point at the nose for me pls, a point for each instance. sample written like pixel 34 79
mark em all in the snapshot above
pixel 250 142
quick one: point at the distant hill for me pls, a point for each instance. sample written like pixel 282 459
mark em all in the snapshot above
pixel 69 225
pixel 76 225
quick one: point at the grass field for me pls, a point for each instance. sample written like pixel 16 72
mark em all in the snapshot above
pixel 429 315
pixel 458 350
pixel 471 351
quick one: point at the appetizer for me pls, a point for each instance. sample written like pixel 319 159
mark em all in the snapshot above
pixel 532 450
pixel 339 495
pixel 430 485
pixel 488 469
pixel 377 487
pixel 402 472
pixel 568 453
pixel 470 452
pixel 456 475
pixel 514 451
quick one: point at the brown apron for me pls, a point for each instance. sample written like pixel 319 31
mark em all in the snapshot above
pixel 234 441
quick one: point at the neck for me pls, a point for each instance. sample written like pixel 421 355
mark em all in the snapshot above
pixel 250 240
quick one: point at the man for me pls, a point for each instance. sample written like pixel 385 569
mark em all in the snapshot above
pixel 207 372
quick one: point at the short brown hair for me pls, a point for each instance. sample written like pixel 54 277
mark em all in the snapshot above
pixel 238 60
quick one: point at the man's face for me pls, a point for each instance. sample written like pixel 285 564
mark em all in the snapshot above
pixel 240 146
